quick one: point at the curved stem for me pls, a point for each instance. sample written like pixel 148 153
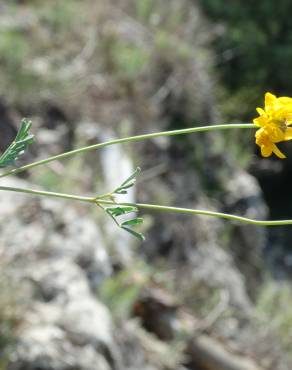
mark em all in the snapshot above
pixel 214 214
pixel 228 216
pixel 128 140
pixel 153 207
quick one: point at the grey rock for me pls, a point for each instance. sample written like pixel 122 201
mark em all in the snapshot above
pixel 48 228
pixel 87 321
pixel 61 280
pixel 47 348
pixel 206 260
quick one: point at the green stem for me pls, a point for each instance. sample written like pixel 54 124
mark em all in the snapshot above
pixel 49 194
pixel 153 207
pixel 213 214
pixel 128 140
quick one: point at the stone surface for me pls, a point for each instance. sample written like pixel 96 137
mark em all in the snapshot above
pixel 44 347
pixel 66 327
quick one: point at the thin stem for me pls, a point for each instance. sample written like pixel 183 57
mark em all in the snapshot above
pixel 228 216
pixel 128 140
pixel 154 207
pixel 49 194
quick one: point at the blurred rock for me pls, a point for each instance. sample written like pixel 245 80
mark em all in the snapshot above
pixel 66 326
pixel 247 242
pixel 48 348
pixel 63 258
pixel 87 321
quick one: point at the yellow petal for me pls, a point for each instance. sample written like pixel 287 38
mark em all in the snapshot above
pixel 266 150
pixel 275 133
pixel 261 121
pixel 260 111
pixel 270 99
pixel 285 100
pixel 288 134
pixel 283 113
pixel 278 153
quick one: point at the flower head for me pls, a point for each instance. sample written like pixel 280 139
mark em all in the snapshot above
pixel 274 123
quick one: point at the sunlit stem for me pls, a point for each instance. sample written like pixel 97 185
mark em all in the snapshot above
pixel 129 140
pixel 153 207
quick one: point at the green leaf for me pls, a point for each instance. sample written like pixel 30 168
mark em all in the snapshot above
pixel 133 176
pixel 121 192
pixel 115 212
pixel 134 233
pixel 121 210
pixel 133 222
pixel 18 146
pixel 123 189
pixel 128 183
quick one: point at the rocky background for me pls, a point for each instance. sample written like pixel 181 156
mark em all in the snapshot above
pixel 76 293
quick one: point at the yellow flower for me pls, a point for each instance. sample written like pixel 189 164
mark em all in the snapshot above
pixel 274 123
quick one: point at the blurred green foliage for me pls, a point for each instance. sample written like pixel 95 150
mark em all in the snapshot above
pixel 32 39
pixel 57 15
pixel 129 59
pixel 13 57
pixel 12 306
pixel 144 9
pixel 254 50
pixel 121 291
pixel 273 306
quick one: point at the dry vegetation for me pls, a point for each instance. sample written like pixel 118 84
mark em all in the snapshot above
pixel 89 70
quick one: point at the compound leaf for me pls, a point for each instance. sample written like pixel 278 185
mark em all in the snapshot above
pixel 18 146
